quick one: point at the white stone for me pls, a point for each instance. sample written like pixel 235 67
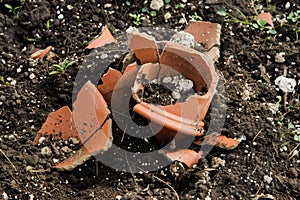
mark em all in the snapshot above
pixel 66 149
pixel 167 16
pixel 184 38
pixel 186 84
pixel 70 7
pixel 267 179
pixel 279 57
pixel 286 84
pixel 156 4
pixel 60 16
pixel 176 94
pixel 46 151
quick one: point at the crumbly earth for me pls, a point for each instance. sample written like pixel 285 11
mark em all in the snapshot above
pixel 265 163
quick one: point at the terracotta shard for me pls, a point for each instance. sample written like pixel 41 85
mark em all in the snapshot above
pixel 205 32
pixel 90 111
pixel 104 38
pixel 58 125
pixel 40 53
pixel 219 140
pixel 100 141
pixel 75 160
pixel 187 156
pixel 266 16
pixel 110 79
pixel 144 47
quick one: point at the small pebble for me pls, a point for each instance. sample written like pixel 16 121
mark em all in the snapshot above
pixel 287 5
pixel 279 57
pixel 74 140
pixel 176 94
pixel 156 4
pixel 66 149
pixel 60 16
pixel 46 151
pixel 167 16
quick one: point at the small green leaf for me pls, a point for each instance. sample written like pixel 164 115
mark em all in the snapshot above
pixel 8 6
pixel 128 3
pixel 297 138
pixel 255 25
pixel 167 1
pixel 70 63
pixel 145 9
pixel 272 31
pixel 222 11
pixel 261 22
pixel 153 13
pixel 291 125
pixel 54 72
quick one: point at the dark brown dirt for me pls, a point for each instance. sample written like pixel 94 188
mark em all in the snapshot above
pixel 267 162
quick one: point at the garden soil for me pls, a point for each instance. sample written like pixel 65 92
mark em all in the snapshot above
pixel 264 166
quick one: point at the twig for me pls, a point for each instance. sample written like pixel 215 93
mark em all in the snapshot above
pixel 291 154
pixel 167 184
pixel 257 134
pixel 8 160
pixel 136 188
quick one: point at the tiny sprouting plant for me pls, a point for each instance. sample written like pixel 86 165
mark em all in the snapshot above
pixel 15 10
pixel 294 16
pixel 127 3
pixel 138 18
pixel 262 25
pixel 146 10
pixel 243 19
pixel 61 69
pixel 2 79
pixel 48 25
pixel 196 17
pixel 180 5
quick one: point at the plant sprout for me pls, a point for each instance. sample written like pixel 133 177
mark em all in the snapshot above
pixel 61 69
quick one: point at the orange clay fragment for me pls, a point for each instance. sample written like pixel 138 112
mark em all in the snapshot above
pixel 187 156
pixel 40 53
pixel 144 47
pixel 59 125
pixel 219 140
pixel 104 38
pixel 206 33
pixel 266 16
pixel 88 123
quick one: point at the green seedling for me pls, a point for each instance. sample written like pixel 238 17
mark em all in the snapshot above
pixel 127 3
pixel 138 18
pixel 294 16
pixel 243 19
pixel 61 69
pixel 262 25
pixel 15 10
pixel 180 5
pixel 196 17
pixel 146 10
pixel 2 79
pixel 48 25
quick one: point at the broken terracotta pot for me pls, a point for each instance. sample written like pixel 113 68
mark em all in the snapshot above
pixel 90 120
pixel 175 59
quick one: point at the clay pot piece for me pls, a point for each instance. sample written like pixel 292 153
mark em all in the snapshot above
pixel 90 120
pixel 90 124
